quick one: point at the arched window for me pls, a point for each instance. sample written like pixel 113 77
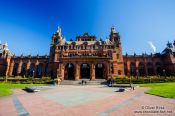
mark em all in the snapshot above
pixel 133 69
pixel 150 68
pixel 159 69
pixel 141 69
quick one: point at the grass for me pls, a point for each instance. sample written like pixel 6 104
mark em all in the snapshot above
pixel 6 88
pixel 161 89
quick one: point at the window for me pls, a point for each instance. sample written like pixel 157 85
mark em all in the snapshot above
pixel 117 56
pixel 119 72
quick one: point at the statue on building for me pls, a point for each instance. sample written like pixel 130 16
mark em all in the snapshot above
pixel 59 31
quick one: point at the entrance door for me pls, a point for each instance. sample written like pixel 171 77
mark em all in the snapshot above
pixel 85 71
pixel 69 72
pixel 99 71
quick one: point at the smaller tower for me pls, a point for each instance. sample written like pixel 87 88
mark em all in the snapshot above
pixel 113 29
pixel 57 37
pixel 5 46
pixel 117 53
pixel 169 45
pixel 115 37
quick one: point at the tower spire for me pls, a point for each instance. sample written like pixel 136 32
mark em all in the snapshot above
pixel 59 31
pixel 113 29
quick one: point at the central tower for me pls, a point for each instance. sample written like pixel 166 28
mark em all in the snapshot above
pixel 86 57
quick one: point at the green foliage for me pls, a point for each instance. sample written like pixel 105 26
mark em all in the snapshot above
pixel 161 89
pixel 141 80
pixel 5 88
pixel 20 80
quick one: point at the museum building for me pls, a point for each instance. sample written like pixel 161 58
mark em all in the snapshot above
pixel 87 58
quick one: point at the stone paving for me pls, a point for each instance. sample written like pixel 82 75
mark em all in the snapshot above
pixel 85 101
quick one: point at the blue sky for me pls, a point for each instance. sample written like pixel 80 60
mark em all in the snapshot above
pixel 27 25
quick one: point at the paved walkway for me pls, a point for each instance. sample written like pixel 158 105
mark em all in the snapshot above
pixel 85 101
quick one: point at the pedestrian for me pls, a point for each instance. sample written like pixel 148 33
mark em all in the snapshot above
pixel 133 88
pixel 82 82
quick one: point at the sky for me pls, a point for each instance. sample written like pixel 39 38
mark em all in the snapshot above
pixel 28 25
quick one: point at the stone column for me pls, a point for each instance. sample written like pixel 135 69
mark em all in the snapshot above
pixel 128 68
pixel 58 73
pixel 106 70
pixel 109 74
pixel 7 68
pixel 28 67
pixel 19 68
pixel 137 68
pixel 92 72
pixel 11 68
pixel 62 71
pixel 77 72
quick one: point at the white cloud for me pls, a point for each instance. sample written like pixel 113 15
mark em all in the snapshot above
pixel 152 46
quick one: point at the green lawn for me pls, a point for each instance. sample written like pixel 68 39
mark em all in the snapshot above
pixel 161 89
pixel 5 88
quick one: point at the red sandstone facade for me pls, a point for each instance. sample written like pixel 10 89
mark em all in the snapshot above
pixel 87 58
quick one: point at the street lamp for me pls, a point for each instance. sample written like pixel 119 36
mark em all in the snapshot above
pixel 137 73
pixel 33 73
pixel 164 73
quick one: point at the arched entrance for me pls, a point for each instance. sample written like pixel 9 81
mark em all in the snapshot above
pixel 69 72
pixel 159 69
pixel 99 71
pixel 150 69
pixel 133 69
pixel 32 70
pixel 39 71
pixel 15 69
pixel 24 70
pixel 141 69
pixel 85 71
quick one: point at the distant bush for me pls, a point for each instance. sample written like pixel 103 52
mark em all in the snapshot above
pixel 141 80
pixel 44 80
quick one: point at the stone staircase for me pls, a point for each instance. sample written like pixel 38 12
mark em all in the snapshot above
pixel 88 82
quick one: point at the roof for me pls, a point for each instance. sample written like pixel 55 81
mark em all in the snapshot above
pixel 170 49
pixel 107 42
pixel 5 49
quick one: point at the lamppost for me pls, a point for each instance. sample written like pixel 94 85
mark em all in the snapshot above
pixel 137 73
pixel 164 73
pixel 33 73
pixel 130 81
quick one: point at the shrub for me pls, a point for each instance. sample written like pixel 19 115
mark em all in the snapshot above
pixel 44 80
pixel 141 80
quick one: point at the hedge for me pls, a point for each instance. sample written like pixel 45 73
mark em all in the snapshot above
pixel 45 80
pixel 141 80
